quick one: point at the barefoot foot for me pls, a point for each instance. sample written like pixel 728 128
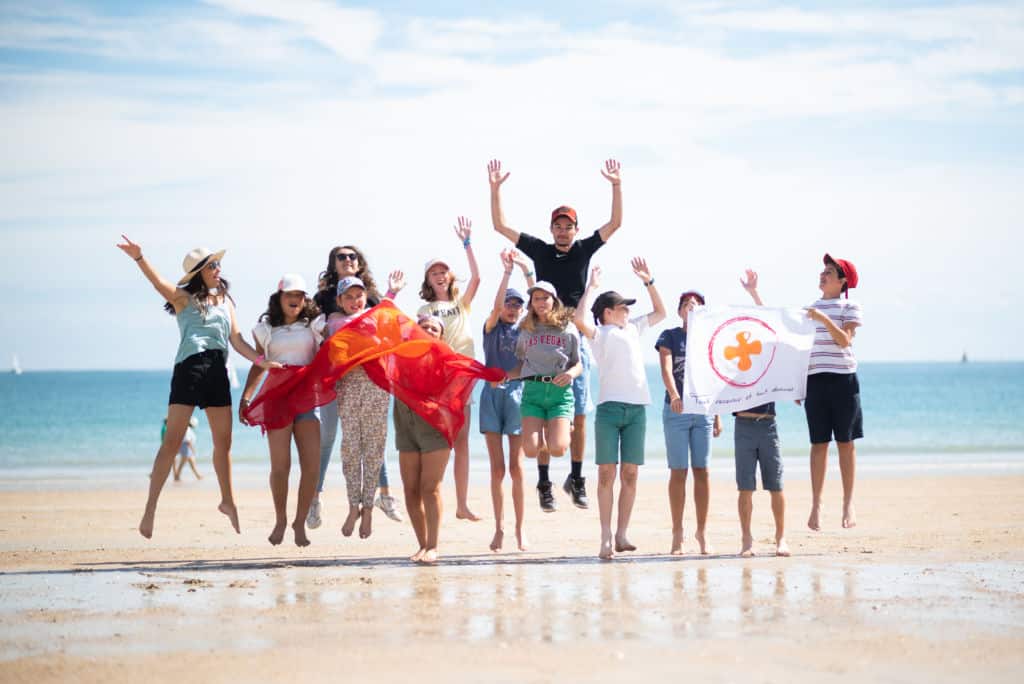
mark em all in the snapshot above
pixel 606 552
pixel 622 544
pixel 781 548
pixel 429 557
pixel 366 524
pixel 350 521
pixel 521 540
pixel 496 541
pixel 466 514
pixel 417 556
pixel 229 510
pixel 702 541
pixel 146 525
pixel 678 536
pixel 299 529
pixel 812 521
pixel 849 516
pixel 277 534
pixel 748 547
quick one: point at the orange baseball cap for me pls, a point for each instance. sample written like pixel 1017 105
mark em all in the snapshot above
pixel 566 211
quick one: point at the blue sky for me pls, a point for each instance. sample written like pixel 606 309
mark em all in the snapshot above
pixel 754 134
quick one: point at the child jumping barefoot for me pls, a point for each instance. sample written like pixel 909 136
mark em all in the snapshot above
pixel 206 320
pixel 446 303
pixel 620 424
pixel 500 404
pixel 422 457
pixel 289 332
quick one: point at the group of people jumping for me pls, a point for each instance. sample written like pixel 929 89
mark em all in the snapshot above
pixel 545 342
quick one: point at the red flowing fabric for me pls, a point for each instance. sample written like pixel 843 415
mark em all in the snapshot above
pixel 432 380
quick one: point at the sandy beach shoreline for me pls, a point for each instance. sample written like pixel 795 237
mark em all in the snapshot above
pixel 929 586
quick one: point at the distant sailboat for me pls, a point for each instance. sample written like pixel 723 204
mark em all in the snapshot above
pixel 963 359
pixel 15 366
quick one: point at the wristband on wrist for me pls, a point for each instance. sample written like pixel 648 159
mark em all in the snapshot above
pixel 528 274
pixel 260 359
pixel 649 282
pixel 140 258
pixel 390 294
pixel 465 243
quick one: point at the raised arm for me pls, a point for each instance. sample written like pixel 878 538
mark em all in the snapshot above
pixel 611 172
pixel 525 265
pixel 495 177
pixel 396 283
pixel 499 296
pixel 657 314
pixel 463 231
pixel 177 297
pixel 750 285
pixel 583 307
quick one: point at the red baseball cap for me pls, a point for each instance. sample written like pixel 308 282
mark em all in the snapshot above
pixel 849 271
pixel 564 211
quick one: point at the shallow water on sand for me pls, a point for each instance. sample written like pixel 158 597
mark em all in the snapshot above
pixel 655 599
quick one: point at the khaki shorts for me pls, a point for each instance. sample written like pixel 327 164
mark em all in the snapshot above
pixel 412 433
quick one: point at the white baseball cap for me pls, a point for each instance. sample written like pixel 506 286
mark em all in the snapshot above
pixel 292 282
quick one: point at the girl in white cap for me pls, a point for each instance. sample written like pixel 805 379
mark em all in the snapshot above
pixel 206 321
pixel 444 301
pixel 286 333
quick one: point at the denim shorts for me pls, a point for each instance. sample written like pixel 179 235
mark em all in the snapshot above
pixel 687 438
pixel 500 408
pixel 581 385
pixel 308 415
pixel 619 430
pixel 757 442
pixel 546 400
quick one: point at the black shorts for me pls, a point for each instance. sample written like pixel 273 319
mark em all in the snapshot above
pixel 832 406
pixel 201 380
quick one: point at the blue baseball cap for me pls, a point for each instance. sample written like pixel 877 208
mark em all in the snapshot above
pixel 513 293
pixel 348 282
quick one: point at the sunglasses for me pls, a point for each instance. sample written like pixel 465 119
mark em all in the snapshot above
pixel 212 266
pixel 346 256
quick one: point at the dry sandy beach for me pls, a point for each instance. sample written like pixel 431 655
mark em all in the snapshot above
pixel 929 587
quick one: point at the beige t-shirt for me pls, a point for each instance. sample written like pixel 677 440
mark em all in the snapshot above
pixel 456 324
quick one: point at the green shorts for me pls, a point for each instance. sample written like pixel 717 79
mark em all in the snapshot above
pixel 620 428
pixel 546 400
pixel 412 433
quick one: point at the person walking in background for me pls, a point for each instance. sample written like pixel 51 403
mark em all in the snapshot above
pixel 563 263
pixel 206 322
pixel 342 262
pixel 621 422
pixel 445 301
pixel 187 450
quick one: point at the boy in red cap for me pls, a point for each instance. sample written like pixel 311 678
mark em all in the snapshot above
pixel 564 264
pixel 832 403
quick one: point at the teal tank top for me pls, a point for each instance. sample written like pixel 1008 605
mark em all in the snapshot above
pixel 200 333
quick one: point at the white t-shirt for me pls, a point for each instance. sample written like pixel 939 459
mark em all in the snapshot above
pixel 620 364
pixel 826 355
pixel 292 345
pixel 456 324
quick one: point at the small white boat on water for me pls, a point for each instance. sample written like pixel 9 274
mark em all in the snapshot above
pixel 15 365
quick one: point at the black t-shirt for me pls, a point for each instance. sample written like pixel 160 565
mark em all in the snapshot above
pixel 567 271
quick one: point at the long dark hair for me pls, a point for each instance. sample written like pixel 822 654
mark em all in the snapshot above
pixel 198 292
pixel 328 279
pixel 275 312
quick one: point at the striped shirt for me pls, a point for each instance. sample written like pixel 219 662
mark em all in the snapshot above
pixel 826 355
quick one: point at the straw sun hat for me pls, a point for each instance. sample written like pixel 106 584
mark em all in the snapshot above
pixel 196 260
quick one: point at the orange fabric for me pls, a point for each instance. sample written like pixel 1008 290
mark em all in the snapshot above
pixel 434 381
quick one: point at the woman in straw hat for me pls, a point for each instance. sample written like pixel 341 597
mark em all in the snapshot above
pixel 206 319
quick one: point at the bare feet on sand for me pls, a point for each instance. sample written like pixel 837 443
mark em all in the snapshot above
pixel 813 522
pixel 496 541
pixel 622 544
pixel 849 516
pixel 366 523
pixel 277 534
pixel 350 521
pixel 417 556
pixel 781 548
pixel 146 525
pixel 606 552
pixel 429 557
pixel 299 529
pixel 748 547
pixel 229 510
pixel 678 537
pixel 521 540
pixel 705 546
pixel 466 514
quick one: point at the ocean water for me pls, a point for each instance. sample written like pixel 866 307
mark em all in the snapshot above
pixel 915 413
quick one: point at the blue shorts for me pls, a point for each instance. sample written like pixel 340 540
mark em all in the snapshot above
pixel 581 385
pixel 500 408
pixel 308 415
pixel 687 438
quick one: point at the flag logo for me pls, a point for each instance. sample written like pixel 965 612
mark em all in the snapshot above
pixel 741 350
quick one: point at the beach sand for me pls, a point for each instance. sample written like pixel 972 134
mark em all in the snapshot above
pixel 929 587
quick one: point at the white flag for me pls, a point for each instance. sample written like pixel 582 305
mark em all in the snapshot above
pixel 739 357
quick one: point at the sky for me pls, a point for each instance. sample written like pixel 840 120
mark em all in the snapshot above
pixel 751 134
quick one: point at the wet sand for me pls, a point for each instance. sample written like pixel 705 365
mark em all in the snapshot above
pixel 928 587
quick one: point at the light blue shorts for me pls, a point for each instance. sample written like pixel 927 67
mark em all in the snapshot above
pixel 308 415
pixel 687 438
pixel 500 408
pixel 581 385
